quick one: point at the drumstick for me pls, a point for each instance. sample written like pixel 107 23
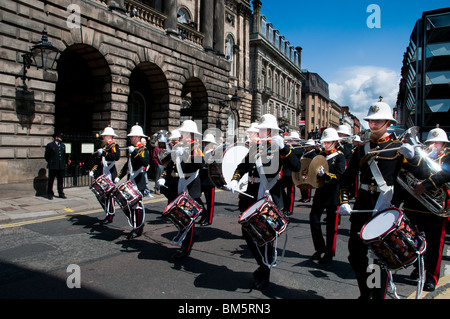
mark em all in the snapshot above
pixel 238 191
pixel 364 210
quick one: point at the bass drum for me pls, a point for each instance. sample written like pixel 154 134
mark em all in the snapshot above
pixel 223 163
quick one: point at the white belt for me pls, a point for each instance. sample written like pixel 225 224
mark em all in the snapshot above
pixel 370 188
pixel 254 180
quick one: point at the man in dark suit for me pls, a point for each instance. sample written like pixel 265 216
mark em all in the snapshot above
pixel 55 153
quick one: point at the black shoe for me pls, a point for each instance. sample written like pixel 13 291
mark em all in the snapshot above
pixel 62 196
pixel 50 197
pixel 180 254
pixel 107 220
pixel 325 260
pixel 316 256
pixel 429 285
pixel 205 223
pixel 261 276
pixel 133 234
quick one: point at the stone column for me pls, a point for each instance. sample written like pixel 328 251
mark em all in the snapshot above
pixel 170 8
pixel 207 25
pixel 256 16
pixel 219 27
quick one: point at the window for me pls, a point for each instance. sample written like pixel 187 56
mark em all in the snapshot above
pixel 183 16
pixel 229 52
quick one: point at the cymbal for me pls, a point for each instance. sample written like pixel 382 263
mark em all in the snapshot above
pixel 307 176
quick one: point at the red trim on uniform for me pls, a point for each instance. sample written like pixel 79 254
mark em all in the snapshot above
pixel 291 204
pixel 441 246
pixel 211 205
pixel 336 222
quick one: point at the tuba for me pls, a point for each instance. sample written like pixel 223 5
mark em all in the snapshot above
pixel 433 200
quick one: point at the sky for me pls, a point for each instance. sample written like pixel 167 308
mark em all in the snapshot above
pixel 355 47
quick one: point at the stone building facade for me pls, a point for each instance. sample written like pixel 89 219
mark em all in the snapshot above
pixel 121 62
pixel 276 73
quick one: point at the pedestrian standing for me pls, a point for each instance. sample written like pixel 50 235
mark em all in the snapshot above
pixel 55 155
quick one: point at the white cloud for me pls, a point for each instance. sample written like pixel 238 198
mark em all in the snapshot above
pixel 358 87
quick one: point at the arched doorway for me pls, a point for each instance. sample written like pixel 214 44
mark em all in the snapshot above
pixel 194 105
pixel 80 105
pixel 148 99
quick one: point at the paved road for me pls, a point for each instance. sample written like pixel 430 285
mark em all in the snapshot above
pixel 35 255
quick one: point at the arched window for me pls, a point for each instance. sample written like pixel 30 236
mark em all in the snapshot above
pixel 183 16
pixel 229 52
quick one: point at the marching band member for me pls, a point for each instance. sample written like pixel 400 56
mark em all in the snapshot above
pixel 262 179
pixel 208 188
pixel 327 198
pixel 309 152
pixel 108 155
pixel 252 132
pixel 138 160
pixel 287 182
pixel 160 147
pixel 378 173
pixel 345 145
pixel 432 225
pixel 184 167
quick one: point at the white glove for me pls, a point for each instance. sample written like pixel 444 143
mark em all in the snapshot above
pixel 232 186
pixel 161 182
pixel 116 180
pixel 179 151
pixel 131 149
pixel 321 171
pixel 100 151
pixel 407 150
pixel 91 173
pixel 278 141
pixel 345 209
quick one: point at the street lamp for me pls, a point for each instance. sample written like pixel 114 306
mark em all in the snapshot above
pixel 43 55
pixel 235 101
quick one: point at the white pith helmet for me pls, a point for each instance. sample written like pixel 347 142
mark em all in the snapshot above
pixel 357 139
pixel 189 126
pixel 330 135
pixel 294 136
pixel 268 121
pixel 437 135
pixel 209 138
pixel 136 130
pixel 380 111
pixel 253 128
pixel 310 143
pixel 108 131
pixel 174 134
pixel 344 129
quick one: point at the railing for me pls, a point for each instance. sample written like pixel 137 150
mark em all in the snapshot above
pixel 145 13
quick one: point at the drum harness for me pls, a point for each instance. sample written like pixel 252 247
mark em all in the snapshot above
pixel 183 183
pixel 107 166
pixel 133 175
pixel 383 201
pixel 264 189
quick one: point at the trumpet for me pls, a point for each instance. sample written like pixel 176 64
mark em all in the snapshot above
pixel 433 200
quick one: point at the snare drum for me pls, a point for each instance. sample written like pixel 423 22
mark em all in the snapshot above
pixel 102 186
pixel 183 211
pixel 224 162
pixel 127 195
pixel 393 238
pixel 263 221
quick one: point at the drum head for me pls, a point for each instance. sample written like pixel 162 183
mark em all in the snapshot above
pixel 232 157
pixel 380 224
pixel 251 210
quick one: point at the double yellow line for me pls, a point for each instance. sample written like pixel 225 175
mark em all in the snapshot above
pixel 47 219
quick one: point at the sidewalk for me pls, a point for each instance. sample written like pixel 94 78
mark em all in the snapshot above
pixel 18 202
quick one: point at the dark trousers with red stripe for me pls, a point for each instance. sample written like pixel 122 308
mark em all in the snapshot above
pixel 288 193
pixel 208 212
pixel 434 228
pixel 320 245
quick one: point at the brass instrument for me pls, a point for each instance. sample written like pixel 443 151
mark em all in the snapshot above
pixel 433 200
pixel 307 176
